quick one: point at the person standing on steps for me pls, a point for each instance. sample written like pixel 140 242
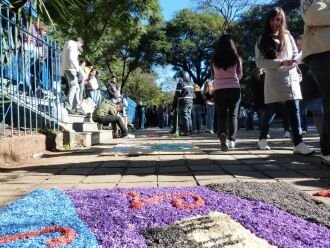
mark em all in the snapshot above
pixel 275 50
pixel 71 70
pixel 316 54
pixel 227 71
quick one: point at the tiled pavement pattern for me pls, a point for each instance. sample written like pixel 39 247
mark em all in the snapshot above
pixel 84 169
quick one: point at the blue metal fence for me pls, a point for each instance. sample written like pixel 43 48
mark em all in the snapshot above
pixel 31 96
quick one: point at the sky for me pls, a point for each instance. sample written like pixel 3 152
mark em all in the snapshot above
pixel 169 7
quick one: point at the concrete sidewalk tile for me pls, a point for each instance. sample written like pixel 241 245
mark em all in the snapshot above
pixel 257 180
pixel 210 175
pixel 6 200
pixel 102 179
pixel 65 179
pixel 141 171
pixel 268 167
pixel 17 186
pixel 57 185
pixel 177 184
pixel 309 185
pixel 107 171
pixel 137 185
pixel 29 179
pixel 138 178
pixel 284 174
pixel 299 166
pixel 315 173
pixel 176 177
pixel 77 171
pixel 204 167
pixel 180 162
pixel 46 171
pixel 114 164
pixel 204 182
pixel 236 167
pixel 173 169
pixel 96 186
pixel 249 174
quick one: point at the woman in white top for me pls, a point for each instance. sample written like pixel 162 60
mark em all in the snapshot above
pixel 275 52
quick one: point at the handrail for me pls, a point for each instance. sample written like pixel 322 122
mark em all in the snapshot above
pixel 31 95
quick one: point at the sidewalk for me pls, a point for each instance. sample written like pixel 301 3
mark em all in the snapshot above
pixel 85 169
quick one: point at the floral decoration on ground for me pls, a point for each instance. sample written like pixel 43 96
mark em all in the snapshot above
pixel 116 224
pixel 44 218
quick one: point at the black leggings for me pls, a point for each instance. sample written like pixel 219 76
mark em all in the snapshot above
pixel 227 104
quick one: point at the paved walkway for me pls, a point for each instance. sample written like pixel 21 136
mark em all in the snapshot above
pixel 85 169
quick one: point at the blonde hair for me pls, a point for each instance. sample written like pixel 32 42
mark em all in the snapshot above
pixel 196 87
pixel 208 87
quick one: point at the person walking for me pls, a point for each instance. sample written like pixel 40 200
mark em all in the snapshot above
pixel 316 54
pixel 227 71
pixel 275 50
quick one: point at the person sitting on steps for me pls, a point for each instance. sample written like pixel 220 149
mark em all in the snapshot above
pixel 106 113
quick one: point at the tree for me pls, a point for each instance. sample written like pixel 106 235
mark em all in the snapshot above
pixel 191 40
pixel 250 26
pixel 229 10
pixel 120 36
pixel 142 87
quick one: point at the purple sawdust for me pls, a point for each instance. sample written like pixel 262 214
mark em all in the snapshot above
pixel 116 224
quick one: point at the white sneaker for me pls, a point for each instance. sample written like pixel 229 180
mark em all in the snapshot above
pixel 325 160
pixel 302 149
pixel 263 145
pixel 211 131
pixel 129 136
pixel 286 134
pixel 231 144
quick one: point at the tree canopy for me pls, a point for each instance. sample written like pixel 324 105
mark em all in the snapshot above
pixel 191 37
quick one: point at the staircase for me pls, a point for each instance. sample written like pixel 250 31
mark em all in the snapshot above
pixel 78 130
pixel 83 131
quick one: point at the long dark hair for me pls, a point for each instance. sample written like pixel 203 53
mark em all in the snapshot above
pixel 267 44
pixel 225 54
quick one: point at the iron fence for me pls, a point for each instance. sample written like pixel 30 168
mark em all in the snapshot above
pixel 31 94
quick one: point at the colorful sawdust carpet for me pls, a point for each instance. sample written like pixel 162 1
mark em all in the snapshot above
pixel 220 215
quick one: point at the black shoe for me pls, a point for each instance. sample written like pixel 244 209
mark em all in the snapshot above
pixel 223 142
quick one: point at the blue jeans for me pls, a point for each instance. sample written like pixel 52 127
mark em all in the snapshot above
pixel 210 109
pixel 293 110
pixel 197 116
pixel 320 66
pixel 313 105
pixel 185 116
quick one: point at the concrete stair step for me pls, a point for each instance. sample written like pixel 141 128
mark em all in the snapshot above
pixel 101 136
pixel 86 126
pixel 79 119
